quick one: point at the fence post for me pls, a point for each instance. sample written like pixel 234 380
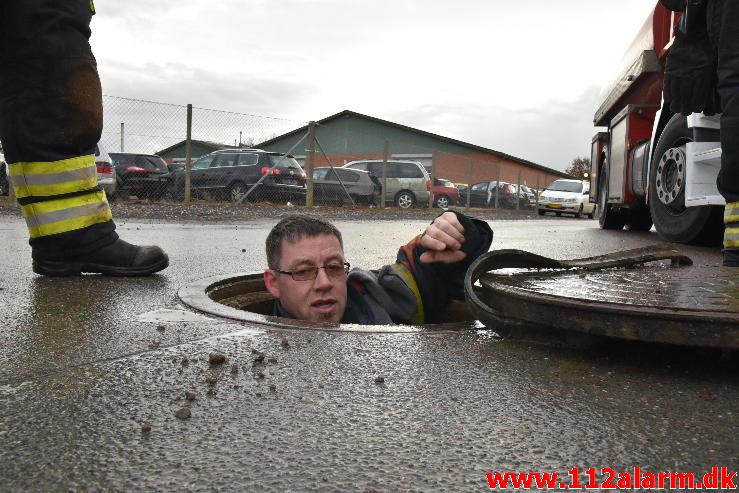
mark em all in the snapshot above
pixel 432 199
pixel 188 154
pixel 385 159
pixel 123 126
pixel 469 183
pixel 537 192
pixel 309 161
pixel 518 190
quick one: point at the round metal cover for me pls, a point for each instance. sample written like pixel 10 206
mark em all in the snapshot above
pixel 685 305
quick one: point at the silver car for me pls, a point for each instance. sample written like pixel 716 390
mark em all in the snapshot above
pixel 105 169
pixel 360 185
pixel 408 182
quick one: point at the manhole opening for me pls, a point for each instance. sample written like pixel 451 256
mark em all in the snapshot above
pixel 244 297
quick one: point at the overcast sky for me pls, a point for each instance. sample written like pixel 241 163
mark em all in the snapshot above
pixel 522 77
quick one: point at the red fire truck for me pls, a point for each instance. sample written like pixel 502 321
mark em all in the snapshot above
pixel 652 166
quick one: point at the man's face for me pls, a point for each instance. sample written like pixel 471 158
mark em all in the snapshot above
pixel 322 299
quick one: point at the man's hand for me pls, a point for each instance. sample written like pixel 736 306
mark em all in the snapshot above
pixel 443 240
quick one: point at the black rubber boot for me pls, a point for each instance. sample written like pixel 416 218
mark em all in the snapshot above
pixel 731 257
pixel 117 259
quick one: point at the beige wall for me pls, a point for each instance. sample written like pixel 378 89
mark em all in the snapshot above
pixel 466 168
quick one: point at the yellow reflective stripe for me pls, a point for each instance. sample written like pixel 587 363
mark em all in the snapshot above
pixel 69 214
pixel 731 238
pixel 56 189
pixel 407 276
pixel 45 167
pixel 731 212
pixel 38 179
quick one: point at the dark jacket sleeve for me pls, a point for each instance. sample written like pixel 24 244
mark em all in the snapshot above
pixel 438 284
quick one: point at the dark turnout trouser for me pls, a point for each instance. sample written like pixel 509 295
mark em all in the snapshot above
pixel 50 123
pixel 723 20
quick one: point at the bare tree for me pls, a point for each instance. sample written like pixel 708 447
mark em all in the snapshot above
pixel 580 168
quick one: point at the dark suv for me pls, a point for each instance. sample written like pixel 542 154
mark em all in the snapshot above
pixel 230 173
pixel 142 175
pixel 483 194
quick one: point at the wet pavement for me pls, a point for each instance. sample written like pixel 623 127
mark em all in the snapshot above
pixel 94 374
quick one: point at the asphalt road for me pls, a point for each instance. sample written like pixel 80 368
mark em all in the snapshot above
pixel 85 362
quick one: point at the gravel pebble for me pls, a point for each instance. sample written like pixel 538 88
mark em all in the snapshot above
pixel 145 427
pixel 217 358
pixel 183 413
pixel 379 379
pixel 191 395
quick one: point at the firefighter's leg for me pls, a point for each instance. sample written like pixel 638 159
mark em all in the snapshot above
pixel 50 122
pixel 724 16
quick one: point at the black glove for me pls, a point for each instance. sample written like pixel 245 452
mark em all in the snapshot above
pixel 690 76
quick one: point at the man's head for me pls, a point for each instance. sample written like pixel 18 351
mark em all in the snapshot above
pixel 297 246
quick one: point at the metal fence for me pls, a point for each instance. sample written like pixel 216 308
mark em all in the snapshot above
pixel 160 151
pixel 147 146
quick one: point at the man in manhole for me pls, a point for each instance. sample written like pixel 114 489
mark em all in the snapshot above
pixel 310 278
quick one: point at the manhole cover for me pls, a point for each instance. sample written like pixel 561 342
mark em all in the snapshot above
pixel 659 302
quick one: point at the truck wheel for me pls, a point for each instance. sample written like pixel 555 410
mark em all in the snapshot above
pixel 608 216
pixel 592 213
pixel 674 221
pixel 578 214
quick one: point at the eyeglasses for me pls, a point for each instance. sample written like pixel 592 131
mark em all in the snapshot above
pixel 310 273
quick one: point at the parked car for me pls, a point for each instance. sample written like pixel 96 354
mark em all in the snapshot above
pixel 408 182
pixel 105 170
pixel 142 175
pixel 361 186
pixel 482 194
pixel 230 173
pixel 526 197
pixel 445 193
pixel 4 182
pixel 570 196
